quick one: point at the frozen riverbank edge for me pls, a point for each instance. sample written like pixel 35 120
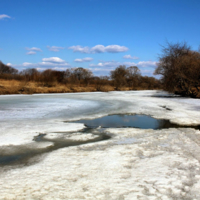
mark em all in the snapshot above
pixel 134 164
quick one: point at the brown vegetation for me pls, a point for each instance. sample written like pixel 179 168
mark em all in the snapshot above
pixel 180 69
pixel 31 81
pixel 131 77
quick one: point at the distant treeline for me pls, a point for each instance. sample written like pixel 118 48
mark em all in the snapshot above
pixel 178 65
pixel 119 78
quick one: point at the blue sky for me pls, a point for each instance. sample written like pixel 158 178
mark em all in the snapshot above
pixel 95 34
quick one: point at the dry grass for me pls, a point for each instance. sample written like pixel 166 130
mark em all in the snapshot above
pixel 196 92
pixel 23 87
pixel 30 87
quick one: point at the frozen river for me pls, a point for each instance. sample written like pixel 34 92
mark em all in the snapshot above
pixel 44 154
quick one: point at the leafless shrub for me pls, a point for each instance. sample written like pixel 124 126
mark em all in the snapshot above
pixel 180 68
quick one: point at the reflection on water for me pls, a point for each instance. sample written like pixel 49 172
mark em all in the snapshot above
pixel 23 154
pixel 136 121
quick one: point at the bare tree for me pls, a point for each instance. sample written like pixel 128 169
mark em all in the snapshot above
pixel 100 82
pixel 58 75
pixel 48 79
pixel 133 76
pixel 119 76
pixel 5 69
pixel 81 74
pixel 180 68
pixel 30 74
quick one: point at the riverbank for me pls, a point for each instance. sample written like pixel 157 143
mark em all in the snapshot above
pixel 23 87
pixel 31 87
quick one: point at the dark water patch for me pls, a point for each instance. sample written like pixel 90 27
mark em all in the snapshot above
pixel 134 121
pixel 21 155
pixel 166 108
pixel 39 137
pixel 17 158
pixel 62 142
pixel 9 158
pixel 168 96
pixel 168 124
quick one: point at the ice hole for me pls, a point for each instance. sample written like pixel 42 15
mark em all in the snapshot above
pixel 22 155
pixel 135 121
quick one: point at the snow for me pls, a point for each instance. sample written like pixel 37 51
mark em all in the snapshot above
pixel 23 132
pixel 133 164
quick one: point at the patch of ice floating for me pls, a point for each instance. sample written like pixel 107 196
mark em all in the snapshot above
pixel 74 137
pixel 133 164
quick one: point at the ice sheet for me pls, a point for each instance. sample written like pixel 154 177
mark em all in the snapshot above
pixel 91 105
pixel 23 107
pixel 23 132
pixel 134 164
pixel 163 165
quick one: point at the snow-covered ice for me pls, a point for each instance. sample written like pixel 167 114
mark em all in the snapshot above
pixel 133 164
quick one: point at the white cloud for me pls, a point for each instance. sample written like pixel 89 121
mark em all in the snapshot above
pixel 53 63
pixel 147 72
pixel 79 48
pixel 31 53
pixel 99 49
pixel 147 64
pixel 80 60
pixel 33 49
pixel 53 60
pixel 47 63
pixel 27 64
pixel 115 48
pixel 3 16
pixel 130 57
pixel 55 48
pixel 108 64
pixel 103 67
pixel 100 71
